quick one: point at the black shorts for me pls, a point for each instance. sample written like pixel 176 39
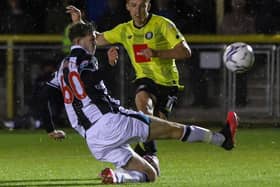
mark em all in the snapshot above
pixel 166 96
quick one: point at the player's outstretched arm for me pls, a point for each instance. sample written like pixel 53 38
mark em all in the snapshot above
pixel 76 17
pixel 48 96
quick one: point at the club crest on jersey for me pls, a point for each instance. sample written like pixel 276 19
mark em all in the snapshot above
pixel 129 36
pixel 149 35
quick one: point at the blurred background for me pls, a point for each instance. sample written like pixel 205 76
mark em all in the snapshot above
pixel 33 41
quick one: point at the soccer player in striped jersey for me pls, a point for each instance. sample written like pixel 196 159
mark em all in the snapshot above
pixel 153 43
pixel 107 127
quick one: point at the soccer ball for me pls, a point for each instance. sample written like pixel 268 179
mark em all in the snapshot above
pixel 238 57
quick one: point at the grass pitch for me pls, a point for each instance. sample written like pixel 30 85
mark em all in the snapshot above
pixel 30 158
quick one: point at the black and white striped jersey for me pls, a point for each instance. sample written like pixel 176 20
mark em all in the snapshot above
pixel 84 93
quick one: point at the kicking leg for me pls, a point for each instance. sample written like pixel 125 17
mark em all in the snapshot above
pixel 162 129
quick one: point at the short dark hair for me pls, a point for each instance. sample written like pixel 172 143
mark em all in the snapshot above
pixel 80 30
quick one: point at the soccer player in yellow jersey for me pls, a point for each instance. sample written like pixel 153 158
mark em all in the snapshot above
pixel 152 43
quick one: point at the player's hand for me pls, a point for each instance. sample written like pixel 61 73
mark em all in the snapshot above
pixel 75 13
pixel 113 55
pixel 57 135
pixel 148 53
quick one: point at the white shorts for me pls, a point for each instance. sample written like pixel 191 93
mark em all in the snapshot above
pixel 108 139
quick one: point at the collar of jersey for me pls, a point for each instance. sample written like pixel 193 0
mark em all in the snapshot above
pixel 148 19
pixel 79 47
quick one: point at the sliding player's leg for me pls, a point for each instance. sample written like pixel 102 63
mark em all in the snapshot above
pixel 108 141
pixel 136 169
pixel 162 129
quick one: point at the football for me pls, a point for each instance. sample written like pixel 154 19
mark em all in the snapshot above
pixel 238 57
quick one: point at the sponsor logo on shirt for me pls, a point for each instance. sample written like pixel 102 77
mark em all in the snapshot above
pixel 138 53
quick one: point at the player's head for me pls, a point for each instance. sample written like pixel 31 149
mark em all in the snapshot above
pixel 138 10
pixel 83 34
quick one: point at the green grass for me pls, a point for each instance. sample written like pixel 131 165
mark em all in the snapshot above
pixel 30 158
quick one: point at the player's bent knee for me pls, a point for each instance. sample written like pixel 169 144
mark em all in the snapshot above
pixel 139 164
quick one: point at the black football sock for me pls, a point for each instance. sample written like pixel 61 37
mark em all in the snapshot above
pixel 150 147
pixel 139 149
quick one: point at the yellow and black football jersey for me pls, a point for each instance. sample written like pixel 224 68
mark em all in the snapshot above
pixel 158 33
